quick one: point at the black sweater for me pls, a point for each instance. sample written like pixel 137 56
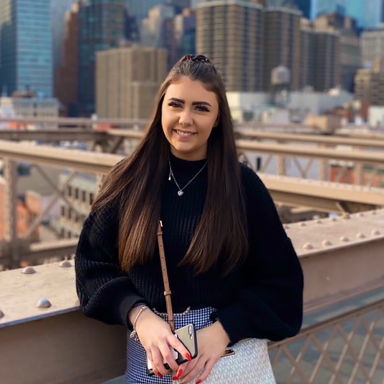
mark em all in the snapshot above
pixel 262 298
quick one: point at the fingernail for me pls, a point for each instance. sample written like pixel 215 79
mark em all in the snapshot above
pixel 199 381
pixel 178 374
pixel 188 357
pixel 159 375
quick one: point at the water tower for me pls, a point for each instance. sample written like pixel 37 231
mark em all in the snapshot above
pixel 280 86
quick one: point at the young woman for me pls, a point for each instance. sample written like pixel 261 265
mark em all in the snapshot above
pixel 232 269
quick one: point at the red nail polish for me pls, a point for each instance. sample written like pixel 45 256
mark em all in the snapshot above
pixel 199 381
pixel 178 374
pixel 188 357
pixel 159 375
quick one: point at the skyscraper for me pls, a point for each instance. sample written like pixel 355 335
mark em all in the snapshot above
pixel 26 46
pixel 323 7
pixel 157 30
pixel 282 44
pixel 304 6
pixel 140 8
pixel 185 32
pixel 382 12
pixel 327 60
pixel 307 55
pixel 232 34
pixel 66 76
pixel 128 79
pixel 59 8
pixel 367 12
pixel 101 26
pixel 349 45
pixel 369 87
pixel 372 46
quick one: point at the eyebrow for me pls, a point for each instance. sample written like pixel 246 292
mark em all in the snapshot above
pixel 194 103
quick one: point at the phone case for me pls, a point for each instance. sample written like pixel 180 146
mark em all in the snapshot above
pixel 187 335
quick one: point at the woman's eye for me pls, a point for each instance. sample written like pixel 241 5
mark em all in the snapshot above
pixel 202 108
pixel 174 105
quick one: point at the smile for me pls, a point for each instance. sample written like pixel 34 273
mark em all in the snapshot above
pixel 183 133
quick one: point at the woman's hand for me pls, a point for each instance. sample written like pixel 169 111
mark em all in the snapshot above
pixel 212 342
pixel 157 339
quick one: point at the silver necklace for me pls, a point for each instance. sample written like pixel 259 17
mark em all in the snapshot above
pixel 180 192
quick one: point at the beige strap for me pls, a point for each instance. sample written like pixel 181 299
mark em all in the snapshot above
pixel 167 289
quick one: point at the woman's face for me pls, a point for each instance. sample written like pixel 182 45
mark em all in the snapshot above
pixel 189 113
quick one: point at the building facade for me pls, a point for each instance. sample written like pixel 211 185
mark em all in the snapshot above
pixel 350 51
pixel 102 26
pixel 59 9
pixel 325 7
pixel 185 32
pixel 307 55
pixel 31 106
pixel 282 44
pixel 81 192
pixel 327 60
pixel 66 76
pixel 232 35
pixel 350 60
pixel 128 78
pixel 372 46
pixel 140 8
pixel 157 30
pixel 26 47
pixel 305 6
pixel 369 85
pixel 367 12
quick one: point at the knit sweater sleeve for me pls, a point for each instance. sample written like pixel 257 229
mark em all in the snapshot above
pixel 105 292
pixel 270 304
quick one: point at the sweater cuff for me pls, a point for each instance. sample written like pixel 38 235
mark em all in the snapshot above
pixel 235 321
pixel 125 305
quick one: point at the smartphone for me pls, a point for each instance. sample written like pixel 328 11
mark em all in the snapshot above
pixel 187 335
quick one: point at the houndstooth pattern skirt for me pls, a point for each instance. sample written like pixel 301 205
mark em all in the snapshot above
pixel 250 363
pixel 136 372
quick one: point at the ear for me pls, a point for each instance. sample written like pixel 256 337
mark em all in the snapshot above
pixel 216 124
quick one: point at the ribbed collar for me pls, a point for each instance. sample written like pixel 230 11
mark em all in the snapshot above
pixel 186 167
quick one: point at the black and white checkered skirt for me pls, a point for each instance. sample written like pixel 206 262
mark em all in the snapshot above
pixel 136 372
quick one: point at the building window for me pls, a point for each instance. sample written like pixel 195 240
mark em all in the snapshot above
pixel 76 193
pixel 91 198
pixel 69 190
pixel 84 197
pixel 62 211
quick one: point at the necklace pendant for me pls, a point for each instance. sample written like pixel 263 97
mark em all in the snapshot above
pixel 180 193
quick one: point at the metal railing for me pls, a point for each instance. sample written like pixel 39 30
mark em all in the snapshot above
pixel 346 349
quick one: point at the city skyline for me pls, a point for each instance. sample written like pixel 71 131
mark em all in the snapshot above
pixel 41 41
pixel 26 61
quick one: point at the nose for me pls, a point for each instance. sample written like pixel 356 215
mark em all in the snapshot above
pixel 185 118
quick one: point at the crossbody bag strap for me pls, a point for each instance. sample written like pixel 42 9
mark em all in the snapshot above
pixel 167 289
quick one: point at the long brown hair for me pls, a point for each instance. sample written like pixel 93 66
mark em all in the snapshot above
pixel 136 184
